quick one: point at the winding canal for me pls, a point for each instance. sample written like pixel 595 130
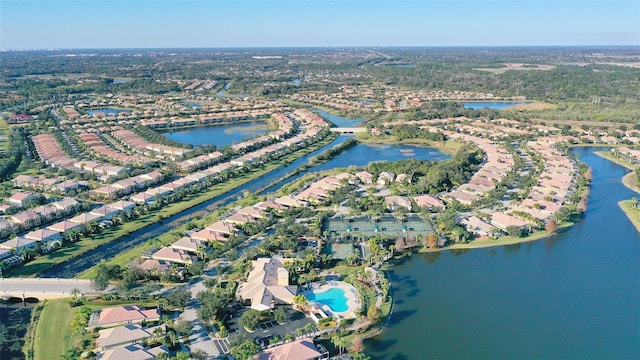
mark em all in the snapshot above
pixel 360 154
pixel 573 296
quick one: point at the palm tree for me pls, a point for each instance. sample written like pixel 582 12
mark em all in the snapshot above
pixel 340 342
pixel 301 302
pixel 75 292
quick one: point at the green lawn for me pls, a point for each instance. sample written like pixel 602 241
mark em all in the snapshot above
pixel 53 330
pixel 450 147
pixel 632 214
pixel 609 156
pixel 4 135
pixel 502 241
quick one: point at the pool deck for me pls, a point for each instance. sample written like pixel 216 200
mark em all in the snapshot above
pixel 353 302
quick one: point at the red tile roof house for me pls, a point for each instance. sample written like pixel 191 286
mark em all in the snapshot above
pixel 133 352
pixel 156 267
pixel 64 226
pixel 253 212
pixel 503 221
pixel 239 219
pixel 124 315
pixel 174 255
pixel 43 235
pixel 123 205
pixel 394 202
pixel 208 236
pixel 428 201
pixel 105 212
pixel 123 335
pixel 26 218
pixel 303 349
pixel 187 244
pixel 86 218
pixel 21 198
pixel 18 244
pixel 222 228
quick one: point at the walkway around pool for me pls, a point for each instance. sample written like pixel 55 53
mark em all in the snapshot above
pixel 353 301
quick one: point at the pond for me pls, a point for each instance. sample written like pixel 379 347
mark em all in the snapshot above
pixel 219 135
pixel 574 295
pixel 107 111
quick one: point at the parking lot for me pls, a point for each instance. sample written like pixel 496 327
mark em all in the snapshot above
pixel 295 320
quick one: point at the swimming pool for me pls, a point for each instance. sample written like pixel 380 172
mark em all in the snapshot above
pixel 334 298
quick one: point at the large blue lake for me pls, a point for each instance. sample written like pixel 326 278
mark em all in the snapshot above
pixel 218 135
pixel 495 105
pixel 574 296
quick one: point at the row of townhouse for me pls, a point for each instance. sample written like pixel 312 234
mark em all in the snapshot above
pixel 41 183
pixel 30 218
pixel 127 186
pixel 497 165
pixel 52 154
pixel 99 147
pixel 137 143
pixel 57 231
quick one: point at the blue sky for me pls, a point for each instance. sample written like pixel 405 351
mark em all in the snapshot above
pixel 28 24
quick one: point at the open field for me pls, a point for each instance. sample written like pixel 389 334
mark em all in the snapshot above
pixel 578 123
pixel 537 105
pixel 516 67
pixel 632 213
pixel 41 264
pixel 449 147
pixel 53 330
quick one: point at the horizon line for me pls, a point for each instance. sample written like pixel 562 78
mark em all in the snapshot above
pixel 321 47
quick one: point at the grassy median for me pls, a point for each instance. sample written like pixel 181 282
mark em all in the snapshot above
pixel 53 330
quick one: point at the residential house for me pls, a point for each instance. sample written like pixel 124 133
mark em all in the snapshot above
pixel 174 256
pixel 267 282
pixel 303 349
pixel 125 315
pixel 123 335
pixel 22 198
pixel 133 352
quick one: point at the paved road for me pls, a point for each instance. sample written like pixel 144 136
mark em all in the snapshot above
pixel 41 287
pixel 199 337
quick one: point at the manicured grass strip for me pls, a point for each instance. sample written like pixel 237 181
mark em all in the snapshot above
pixel 4 136
pixel 505 240
pixel 632 213
pixel 53 330
pixel 631 181
pixel 609 156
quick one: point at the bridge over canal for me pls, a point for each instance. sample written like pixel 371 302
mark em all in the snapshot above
pixel 43 288
pixel 348 130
